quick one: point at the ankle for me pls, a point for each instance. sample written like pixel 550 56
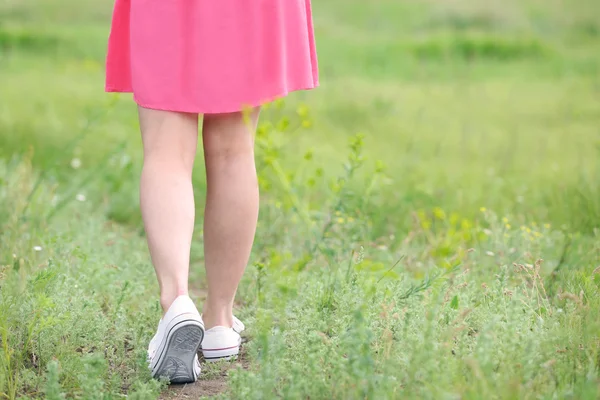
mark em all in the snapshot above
pixel 167 298
pixel 217 315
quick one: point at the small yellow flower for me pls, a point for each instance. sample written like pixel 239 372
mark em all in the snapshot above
pixel 279 103
pixel 340 220
pixel 350 219
pixel 528 230
pixel 465 224
pixel 507 226
pixel 439 213
pixel 505 220
pixel 302 110
pixel 483 209
pixel 454 217
pixel 307 123
pixel 537 234
pixel 547 226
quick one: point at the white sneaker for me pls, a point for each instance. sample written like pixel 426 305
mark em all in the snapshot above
pixel 238 325
pixel 173 351
pixel 221 343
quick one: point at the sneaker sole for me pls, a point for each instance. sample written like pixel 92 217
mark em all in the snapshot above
pixel 227 353
pixel 178 351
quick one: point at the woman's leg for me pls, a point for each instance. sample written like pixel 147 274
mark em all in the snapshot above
pixel 166 196
pixel 231 208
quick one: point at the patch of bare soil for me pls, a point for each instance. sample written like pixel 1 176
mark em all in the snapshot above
pixel 213 380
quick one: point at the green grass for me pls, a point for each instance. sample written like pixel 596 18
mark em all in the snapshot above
pixel 405 265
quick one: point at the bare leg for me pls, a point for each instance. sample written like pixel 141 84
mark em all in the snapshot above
pixel 231 209
pixel 166 196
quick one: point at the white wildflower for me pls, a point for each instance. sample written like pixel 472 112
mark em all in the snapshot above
pixel 80 197
pixel 75 163
pixel 37 248
pixel 125 160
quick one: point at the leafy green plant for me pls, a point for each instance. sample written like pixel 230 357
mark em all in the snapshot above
pixel 369 279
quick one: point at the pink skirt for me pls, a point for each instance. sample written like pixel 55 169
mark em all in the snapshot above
pixel 210 56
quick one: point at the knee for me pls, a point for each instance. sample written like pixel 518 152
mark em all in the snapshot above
pixel 169 138
pixel 178 157
pixel 227 137
pixel 223 149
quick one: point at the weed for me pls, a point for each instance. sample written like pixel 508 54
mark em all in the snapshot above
pixel 376 271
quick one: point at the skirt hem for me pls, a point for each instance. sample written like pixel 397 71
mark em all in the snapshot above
pixel 219 110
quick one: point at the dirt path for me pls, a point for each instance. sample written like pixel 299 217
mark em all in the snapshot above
pixel 213 379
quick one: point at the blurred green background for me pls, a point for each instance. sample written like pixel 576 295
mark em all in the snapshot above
pixel 468 104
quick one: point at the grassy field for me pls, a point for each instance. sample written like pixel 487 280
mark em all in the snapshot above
pixel 429 222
